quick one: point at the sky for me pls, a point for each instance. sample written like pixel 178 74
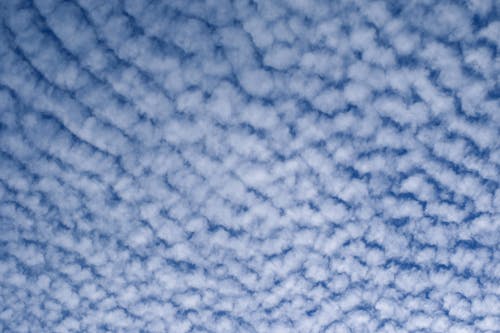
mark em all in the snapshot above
pixel 249 166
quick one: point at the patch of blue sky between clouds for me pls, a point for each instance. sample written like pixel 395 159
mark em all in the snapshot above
pixel 241 166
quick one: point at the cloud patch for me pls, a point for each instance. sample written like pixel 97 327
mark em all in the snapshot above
pixel 219 166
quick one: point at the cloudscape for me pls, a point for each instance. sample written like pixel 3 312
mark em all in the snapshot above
pixel 249 166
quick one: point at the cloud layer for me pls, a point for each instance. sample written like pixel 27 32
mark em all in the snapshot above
pixel 234 166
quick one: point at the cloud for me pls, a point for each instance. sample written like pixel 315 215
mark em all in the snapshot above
pixel 217 166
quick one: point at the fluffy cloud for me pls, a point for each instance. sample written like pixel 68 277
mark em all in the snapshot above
pixel 282 166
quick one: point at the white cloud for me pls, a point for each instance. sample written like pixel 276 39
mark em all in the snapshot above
pixel 272 166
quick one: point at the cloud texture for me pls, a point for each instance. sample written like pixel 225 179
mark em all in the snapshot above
pixel 241 166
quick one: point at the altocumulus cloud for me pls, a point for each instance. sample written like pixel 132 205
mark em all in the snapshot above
pixel 249 166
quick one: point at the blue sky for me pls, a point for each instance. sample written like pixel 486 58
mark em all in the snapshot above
pixel 241 166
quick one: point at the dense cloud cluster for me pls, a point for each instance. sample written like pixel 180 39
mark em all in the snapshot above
pixel 240 166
